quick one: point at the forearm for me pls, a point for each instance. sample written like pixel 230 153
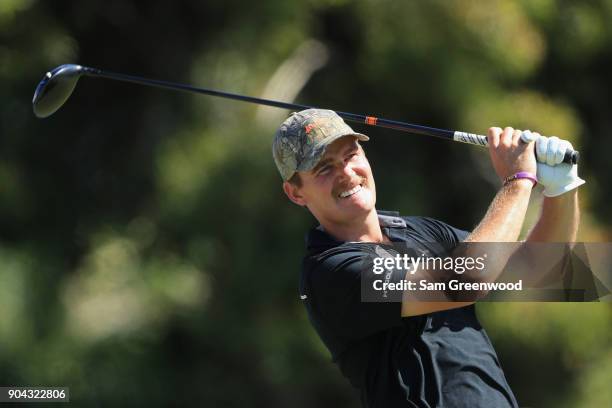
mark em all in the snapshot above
pixel 559 219
pixel 541 264
pixel 505 216
pixel 501 223
pixel 510 155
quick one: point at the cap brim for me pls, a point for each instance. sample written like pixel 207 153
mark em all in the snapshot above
pixel 326 142
pixel 361 137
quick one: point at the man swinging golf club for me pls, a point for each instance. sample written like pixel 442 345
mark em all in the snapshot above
pixel 409 354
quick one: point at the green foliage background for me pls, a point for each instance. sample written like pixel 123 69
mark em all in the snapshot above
pixel 147 253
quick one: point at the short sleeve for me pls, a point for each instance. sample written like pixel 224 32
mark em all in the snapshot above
pixel 335 281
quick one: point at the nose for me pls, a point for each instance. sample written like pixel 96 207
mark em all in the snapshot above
pixel 347 170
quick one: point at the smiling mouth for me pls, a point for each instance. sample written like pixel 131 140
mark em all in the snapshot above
pixel 350 192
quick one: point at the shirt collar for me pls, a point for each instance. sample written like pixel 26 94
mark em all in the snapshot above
pixel 317 237
pixel 390 219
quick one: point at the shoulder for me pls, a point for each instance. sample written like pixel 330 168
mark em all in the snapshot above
pixel 434 230
pixel 339 261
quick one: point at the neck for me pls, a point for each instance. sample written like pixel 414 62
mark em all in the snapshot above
pixel 362 230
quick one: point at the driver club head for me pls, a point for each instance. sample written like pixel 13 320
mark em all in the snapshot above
pixel 55 88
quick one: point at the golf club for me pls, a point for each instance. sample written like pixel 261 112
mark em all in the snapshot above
pixel 58 84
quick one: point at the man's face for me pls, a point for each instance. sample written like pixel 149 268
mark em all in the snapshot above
pixel 340 189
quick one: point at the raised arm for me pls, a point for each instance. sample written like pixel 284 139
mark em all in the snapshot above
pixel 560 214
pixel 506 214
pixel 559 219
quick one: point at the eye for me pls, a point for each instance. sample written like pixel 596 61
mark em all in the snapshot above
pixel 323 170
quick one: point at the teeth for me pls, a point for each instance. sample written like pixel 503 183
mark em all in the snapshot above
pixel 351 191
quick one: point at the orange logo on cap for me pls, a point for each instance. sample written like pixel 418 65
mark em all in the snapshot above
pixel 308 128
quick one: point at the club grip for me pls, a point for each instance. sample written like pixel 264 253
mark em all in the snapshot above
pixel 571 156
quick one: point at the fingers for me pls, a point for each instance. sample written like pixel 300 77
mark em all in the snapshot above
pixel 528 136
pixel 553 144
pixel 516 136
pixel 506 136
pixel 551 150
pixel 493 136
pixel 511 136
pixel 497 136
pixel 541 148
pixel 564 145
pixel 508 155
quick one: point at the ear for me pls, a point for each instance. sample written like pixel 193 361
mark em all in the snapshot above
pixel 294 194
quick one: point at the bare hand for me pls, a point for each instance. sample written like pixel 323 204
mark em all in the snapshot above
pixel 509 154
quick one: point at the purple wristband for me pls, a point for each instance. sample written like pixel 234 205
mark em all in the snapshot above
pixel 521 175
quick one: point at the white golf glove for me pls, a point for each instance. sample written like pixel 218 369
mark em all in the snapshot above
pixel 556 177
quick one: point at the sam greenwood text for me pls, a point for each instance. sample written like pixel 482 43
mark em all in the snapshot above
pixel 453 284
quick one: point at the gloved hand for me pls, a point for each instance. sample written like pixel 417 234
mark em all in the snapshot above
pixel 556 177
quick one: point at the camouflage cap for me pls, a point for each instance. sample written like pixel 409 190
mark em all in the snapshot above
pixel 300 141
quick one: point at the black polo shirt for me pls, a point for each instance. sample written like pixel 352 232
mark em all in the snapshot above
pixel 443 359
